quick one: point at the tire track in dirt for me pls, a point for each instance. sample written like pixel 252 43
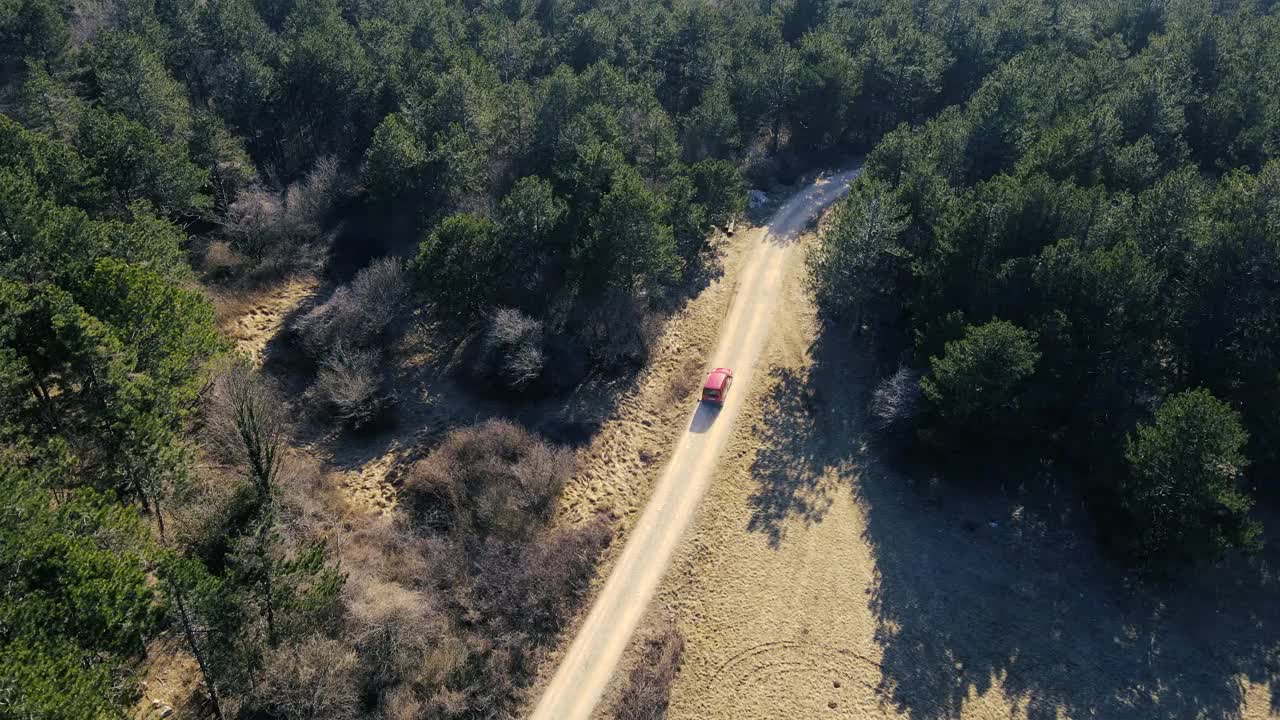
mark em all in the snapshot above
pixel 773 667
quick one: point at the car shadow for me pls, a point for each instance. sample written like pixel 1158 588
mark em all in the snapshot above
pixel 704 417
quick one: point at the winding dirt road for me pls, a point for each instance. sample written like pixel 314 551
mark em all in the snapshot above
pixel 589 663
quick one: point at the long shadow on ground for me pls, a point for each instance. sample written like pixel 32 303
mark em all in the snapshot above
pixel 994 578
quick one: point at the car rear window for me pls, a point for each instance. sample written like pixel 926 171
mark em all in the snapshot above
pixel 712 393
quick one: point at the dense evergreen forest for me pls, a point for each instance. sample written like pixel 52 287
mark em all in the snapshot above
pixel 1083 259
pixel 1067 232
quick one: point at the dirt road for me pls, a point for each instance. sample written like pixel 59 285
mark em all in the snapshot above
pixel 589 663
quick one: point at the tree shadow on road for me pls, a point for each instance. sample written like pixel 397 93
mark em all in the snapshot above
pixel 991 577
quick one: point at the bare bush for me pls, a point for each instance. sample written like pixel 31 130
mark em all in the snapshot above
pixel 310 200
pixel 383 546
pixel 220 260
pixel 255 224
pixel 398 633
pixel 897 403
pixel 349 384
pixel 450 622
pixel 309 501
pixel 493 478
pixel 262 223
pixel 317 329
pixel 534 590
pixel 380 291
pixel 514 597
pixel 357 314
pixel 313 680
pixel 401 703
pixel 513 347
pixel 648 688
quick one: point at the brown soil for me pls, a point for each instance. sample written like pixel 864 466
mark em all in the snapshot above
pixel 171 685
pixel 822 580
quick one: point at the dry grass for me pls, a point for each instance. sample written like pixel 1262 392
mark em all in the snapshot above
pixel 253 317
pixel 824 580
pixel 451 619
pixel 685 379
pixel 649 685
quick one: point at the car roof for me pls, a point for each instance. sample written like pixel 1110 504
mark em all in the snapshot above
pixel 715 380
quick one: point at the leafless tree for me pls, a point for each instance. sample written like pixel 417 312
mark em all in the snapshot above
pixel 897 402
pixel 262 222
pixel 254 223
pixel 309 200
pixel 357 314
pixel 513 344
pixel 247 424
pixel 380 291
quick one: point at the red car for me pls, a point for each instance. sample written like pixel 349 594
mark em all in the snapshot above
pixel 716 388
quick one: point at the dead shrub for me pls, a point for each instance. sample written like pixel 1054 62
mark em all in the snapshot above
pixel 313 680
pixel 395 629
pixel 262 223
pixel 491 479
pixel 349 385
pixel 357 314
pixel 897 403
pixel 513 348
pixel 534 589
pixel 401 703
pixel 648 688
